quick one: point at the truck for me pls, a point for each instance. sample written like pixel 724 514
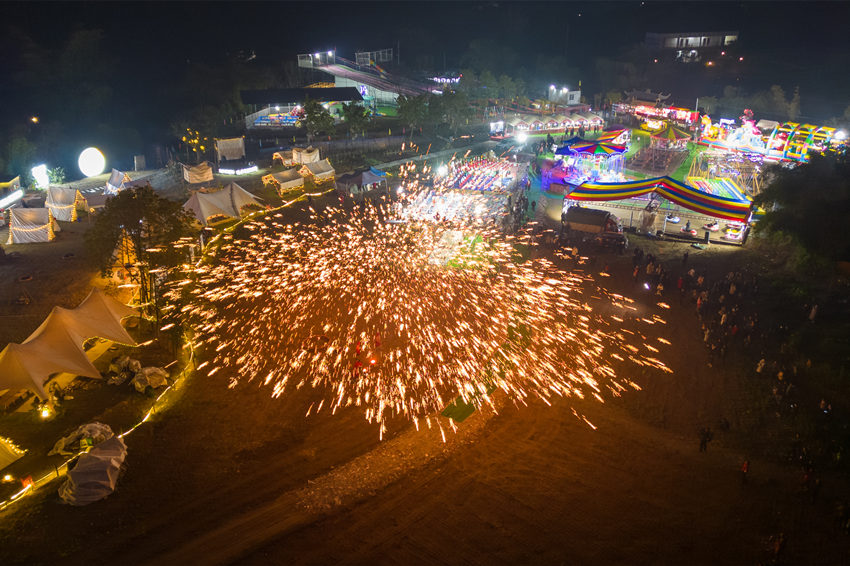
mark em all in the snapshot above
pixel 601 225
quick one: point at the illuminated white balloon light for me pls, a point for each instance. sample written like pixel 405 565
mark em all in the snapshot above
pixel 91 162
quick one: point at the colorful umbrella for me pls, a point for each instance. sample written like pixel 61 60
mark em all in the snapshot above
pixel 596 148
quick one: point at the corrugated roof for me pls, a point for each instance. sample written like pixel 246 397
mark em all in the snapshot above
pixel 295 95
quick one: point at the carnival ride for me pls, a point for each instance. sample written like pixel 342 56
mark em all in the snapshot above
pixel 584 160
pixel 789 141
pixel 738 210
pixel 743 169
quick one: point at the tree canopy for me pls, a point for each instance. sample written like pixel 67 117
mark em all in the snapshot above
pixel 317 119
pixel 811 203
pixel 148 220
pixel 356 118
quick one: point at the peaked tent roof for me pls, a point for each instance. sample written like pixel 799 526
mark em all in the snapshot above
pixel 63 203
pixel 28 225
pixel 594 148
pixel 226 202
pixel 320 167
pixel 56 346
pixel 671 133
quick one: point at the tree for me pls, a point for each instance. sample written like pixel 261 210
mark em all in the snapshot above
pixel 148 221
pixel 20 157
pixel 794 106
pixel 507 88
pixel 456 108
pixel 317 119
pixel 56 176
pixel 811 203
pixel 413 111
pixel 355 117
pixel 489 85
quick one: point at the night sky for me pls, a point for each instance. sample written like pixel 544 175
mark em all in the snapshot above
pixel 801 44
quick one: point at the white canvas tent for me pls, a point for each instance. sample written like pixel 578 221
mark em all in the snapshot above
pixel 227 202
pixel 289 179
pixel 320 170
pixel 296 154
pixel 285 157
pixel 63 203
pixel 95 474
pixel 8 452
pixel 115 183
pixel 31 225
pixel 57 345
pixel 230 148
pixel 201 173
pixel 310 155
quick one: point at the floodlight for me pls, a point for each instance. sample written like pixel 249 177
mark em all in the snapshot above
pixel 442 170
pixel 39 173
pixel 91 162
pixel 522 137
pixel 840 135
pixel 551 87
pixel 330 53
pixel 316 54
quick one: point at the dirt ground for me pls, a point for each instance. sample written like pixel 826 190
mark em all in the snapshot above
pixel 232 476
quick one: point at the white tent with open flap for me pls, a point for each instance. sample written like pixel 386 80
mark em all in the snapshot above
pixel 296 154
pixel 228 202
pixel 95 474
pixel 230 148
pixel 9 452
pixel 310 155
pixel 57 345
pixel 320 170
pixel 115 183
pixel 200 173
pixel 285 180
pixel 31 225
pixel 63 203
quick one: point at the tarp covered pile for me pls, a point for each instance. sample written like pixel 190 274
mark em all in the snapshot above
pixel 150 377
pixel 57 345
pixel 227 202
pixel 95 433
pixel 95 474
pixel 30 225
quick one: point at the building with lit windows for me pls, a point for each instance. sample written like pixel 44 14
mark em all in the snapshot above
pixel 690 47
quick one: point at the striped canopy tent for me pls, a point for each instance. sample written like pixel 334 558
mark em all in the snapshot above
pixel 609 137
pixel 596 148
pixel 671 189
pixel 566 148
pixel 671 137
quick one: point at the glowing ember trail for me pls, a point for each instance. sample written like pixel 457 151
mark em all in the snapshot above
pixel 400 318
